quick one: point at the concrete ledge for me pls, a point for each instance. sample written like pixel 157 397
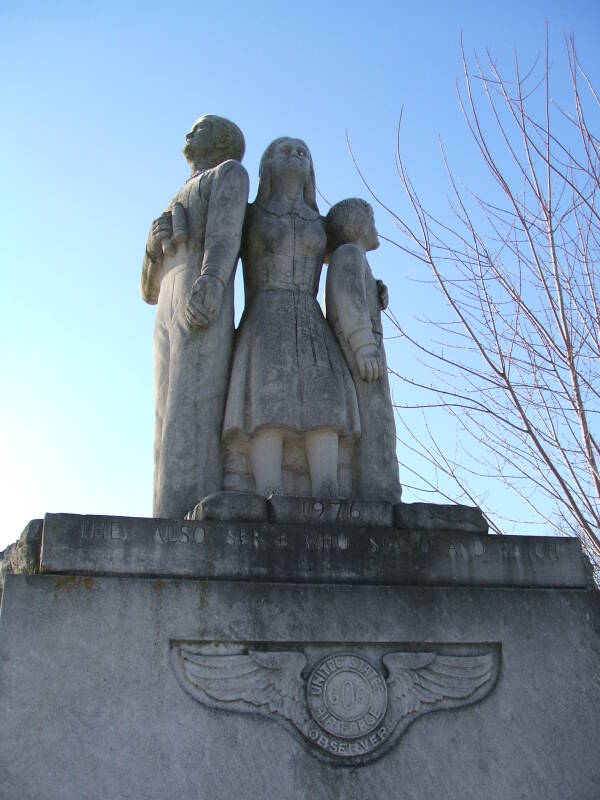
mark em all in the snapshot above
pixel 102 545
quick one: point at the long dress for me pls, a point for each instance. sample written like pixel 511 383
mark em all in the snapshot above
pixel 288 370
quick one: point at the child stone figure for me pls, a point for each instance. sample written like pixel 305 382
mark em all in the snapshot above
pixel 354 300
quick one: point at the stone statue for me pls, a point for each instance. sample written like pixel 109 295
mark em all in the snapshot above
pixel 354 300
pixel 291 396
pixel 188 270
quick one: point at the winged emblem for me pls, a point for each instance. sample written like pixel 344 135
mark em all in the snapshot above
pixel 267 683
pixel 421 682
pixel 344 706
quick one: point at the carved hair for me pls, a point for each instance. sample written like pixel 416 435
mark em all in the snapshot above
pixel 265 175
pixel 228 138
pixel 346 222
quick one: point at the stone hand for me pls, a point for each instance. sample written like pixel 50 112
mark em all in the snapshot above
pixel 161 231
pixel 204 301
pixel 384 297
pixel 370 363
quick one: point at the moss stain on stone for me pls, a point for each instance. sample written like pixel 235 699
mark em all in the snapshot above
pixel 66 583
pixel 202 596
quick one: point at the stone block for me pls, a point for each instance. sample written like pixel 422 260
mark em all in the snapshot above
pixel 439 518
pixel 24 554
pixel 92 706
pixel 231 507
pixel 208 549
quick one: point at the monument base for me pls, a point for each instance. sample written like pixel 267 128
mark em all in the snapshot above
pixel 446 684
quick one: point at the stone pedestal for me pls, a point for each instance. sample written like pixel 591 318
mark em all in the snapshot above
pixel 343 662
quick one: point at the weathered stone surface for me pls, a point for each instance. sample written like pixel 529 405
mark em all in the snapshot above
pixel 281 415
pixel 188 268
pixel 289 381
pixel 328 511
pixel 23 556
pixel 342 703
pixel 340 553
pixel 440 518
pixel 91 707
pixel 231 507
pixel 354 301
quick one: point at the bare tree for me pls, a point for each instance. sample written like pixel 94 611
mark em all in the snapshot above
pixel 517 363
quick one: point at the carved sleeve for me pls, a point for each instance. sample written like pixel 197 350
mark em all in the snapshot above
pixel 346 287
pixel 226 209
pixel 152 269
pixel 151 277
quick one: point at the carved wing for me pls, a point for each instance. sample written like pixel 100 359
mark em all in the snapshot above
pixel 253 682
pixel 420 682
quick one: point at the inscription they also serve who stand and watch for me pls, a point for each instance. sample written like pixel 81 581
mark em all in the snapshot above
pixel 171 533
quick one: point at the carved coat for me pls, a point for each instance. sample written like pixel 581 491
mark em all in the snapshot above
pixel 192 365
pixel 288 370
pixel 353 311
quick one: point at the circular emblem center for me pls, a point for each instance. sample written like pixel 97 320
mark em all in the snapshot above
pixel 346 695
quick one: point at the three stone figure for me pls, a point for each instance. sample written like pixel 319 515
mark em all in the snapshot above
pixel 290 403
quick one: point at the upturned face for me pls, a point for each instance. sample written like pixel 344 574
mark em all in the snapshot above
pixel 199 142
pixel 291 156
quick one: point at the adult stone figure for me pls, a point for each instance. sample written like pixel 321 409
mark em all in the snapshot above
pixel 289 381
pixel 188 270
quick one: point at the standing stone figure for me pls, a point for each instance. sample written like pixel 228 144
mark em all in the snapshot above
pixel 289 382
pixel 188 270
pixel 354 300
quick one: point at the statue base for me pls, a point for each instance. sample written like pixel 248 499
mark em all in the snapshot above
pixel 149 658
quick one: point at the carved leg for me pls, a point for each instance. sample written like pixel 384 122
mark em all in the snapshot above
pixel 266 452
pixel 322 457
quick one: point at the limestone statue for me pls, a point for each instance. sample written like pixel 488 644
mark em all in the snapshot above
pixel 354 300
pixel 291 396
pixel 188 269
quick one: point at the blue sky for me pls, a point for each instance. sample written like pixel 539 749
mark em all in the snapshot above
pixel 97 99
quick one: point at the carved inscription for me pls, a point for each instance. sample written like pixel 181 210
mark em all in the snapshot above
pixel 252 538
pixel 326 541
pixel 407 546
pixel 542 549
pixel 469 550
pixel 399 545
pixel 245 538
pixel 416 546
pixel 347 698
pixel 338 747
pixel 174 533
pixel 282 551
pixel 339 544
pixel 378 545
pixel 104 529
pixel 330 510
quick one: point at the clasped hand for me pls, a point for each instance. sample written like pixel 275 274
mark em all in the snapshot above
pixel 369 362
pixel 384 297
pixel 204 301
pixel 162 228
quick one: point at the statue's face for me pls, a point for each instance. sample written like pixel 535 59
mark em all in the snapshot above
pixel 291 156
pixel 370 236
pixel 200 141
